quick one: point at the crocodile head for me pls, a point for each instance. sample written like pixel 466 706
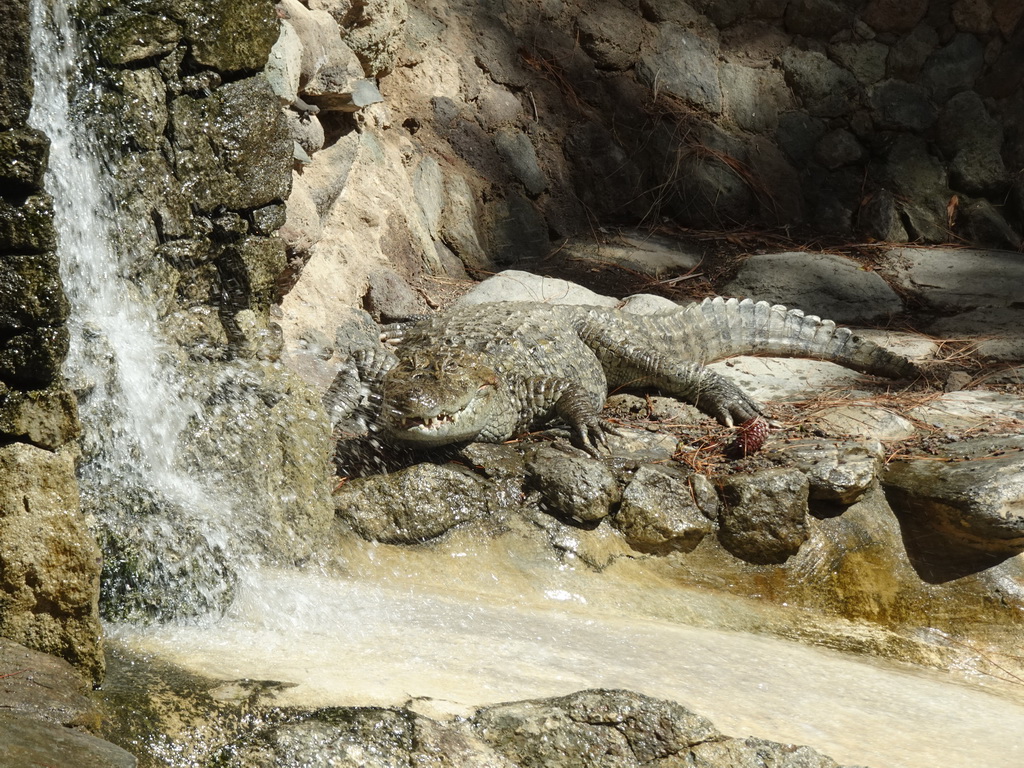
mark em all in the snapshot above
pixel 438 397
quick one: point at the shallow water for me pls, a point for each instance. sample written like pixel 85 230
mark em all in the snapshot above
pixel 350 642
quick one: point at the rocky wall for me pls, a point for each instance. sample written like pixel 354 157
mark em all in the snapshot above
pixel 49 562
pixel 506 127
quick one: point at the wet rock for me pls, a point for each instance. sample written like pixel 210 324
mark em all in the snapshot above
pixel 824 88
pixel 762 517
pixel 413 505
pixel 826 285
pixel 230 35
pixel 232 148
pixel 32 358
pixel 129 37
pixel 28 226
pixel 837 472
pixel 684 64
pixel 45 688
pixel 23 155
pixel 15 66
pixel 31 293
pixel 573 486
pixel 25 743
pixel 49 564
pixel 974 498
pixel 46 418
pixel 625 728
pixel 664 511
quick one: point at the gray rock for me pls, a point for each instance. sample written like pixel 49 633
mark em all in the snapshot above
pixel 838 148
pixel 573 486
pixel 909 53
pixel 754 97
pixel 624 728
pixel 413 505
pixel 824 88
pixel 983 223
pixel 389 298
pixel 902 106
pixel 864 58
pixel 838 471
pixel 965 122
pixel 954 67
pixel 956 278
pixel 798 134
pixel 918 180
pixel 664 511
pixel 647 253
pixel 880 220
pixel 973 499
pixel 517 150
pixel 610 34
pixel 762 517
pixel 516 285
pixel 997 330
pixel 685 65
pixel 284 65
pixel 817 18
pixel 894 15
pixel 826 285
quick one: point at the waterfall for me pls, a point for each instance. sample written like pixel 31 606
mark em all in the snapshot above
pixel 131 394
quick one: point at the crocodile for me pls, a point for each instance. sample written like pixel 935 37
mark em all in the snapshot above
pixel 490 372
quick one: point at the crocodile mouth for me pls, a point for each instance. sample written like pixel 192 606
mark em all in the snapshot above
pixel 426 423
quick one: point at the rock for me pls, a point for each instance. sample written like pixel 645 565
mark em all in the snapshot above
pixel 971 410
pixel 128 37
pixel 838 148
pixel 28 226
pixel 15 66
pixel 610 34
pixel 879 218
pixel 953 68
pixel 894 15
pixel 649 254
pixel 458 225
pixel 837 471
pixel 762 516
pixel 49 564
pixel 902 106
pixel 918 181
pixel 23 156
pixel 517 150
pixel 864 58
pixel 824 88
pixel 230 35
pixel 817 18
pixel 664 511
pixel 390 299
pixel 284 64
pixel 44 687
pixel 973 497
pixel 754 97
pixel 307 131
pixel 374 30
pixel 952 279
pixel 873 422
pixel 516 285
pixel 26 743
pixel 413 505
pixel 997 330
pixel 572 486
pixel 826 285
pixel 909 53
pixel 685 65
pixel 627 728
pixel 46 418
pixel 798 135
pixel 980 221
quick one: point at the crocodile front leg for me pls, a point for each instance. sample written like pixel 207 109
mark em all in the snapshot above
pixel 546 397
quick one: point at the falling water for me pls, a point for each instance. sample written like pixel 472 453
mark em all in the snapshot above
pixel 131 400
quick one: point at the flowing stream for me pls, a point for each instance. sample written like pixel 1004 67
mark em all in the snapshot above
pixel 379 634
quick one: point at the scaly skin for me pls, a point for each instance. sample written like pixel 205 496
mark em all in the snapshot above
pixel 489 372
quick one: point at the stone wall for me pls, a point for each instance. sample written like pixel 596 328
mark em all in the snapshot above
pixel 49 562
pixel 507 126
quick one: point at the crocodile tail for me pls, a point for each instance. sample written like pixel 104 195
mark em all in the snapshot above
pixel 734 327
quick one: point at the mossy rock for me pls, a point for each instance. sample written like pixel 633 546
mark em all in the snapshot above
pixel 32 358
pixel 129 37
pixel 23 156
pixel 31 293
pixel 27 227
